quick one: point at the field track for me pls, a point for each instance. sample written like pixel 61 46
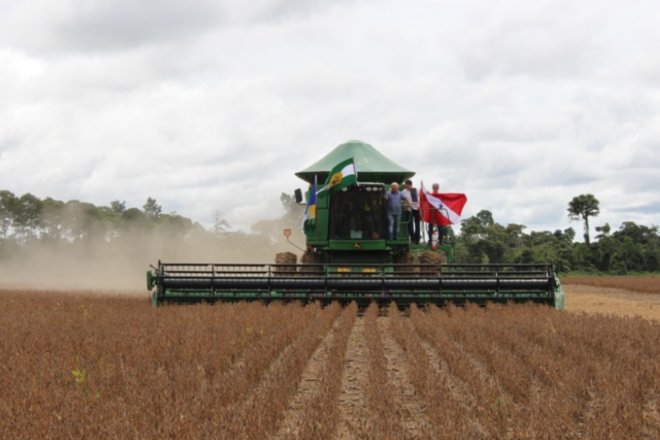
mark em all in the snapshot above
pixel 113 367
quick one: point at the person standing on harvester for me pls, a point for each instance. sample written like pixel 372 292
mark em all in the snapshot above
pixel 393 204
pixel 431 226
pixel 410 194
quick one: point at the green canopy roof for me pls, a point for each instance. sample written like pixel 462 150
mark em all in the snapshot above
pixel 371 165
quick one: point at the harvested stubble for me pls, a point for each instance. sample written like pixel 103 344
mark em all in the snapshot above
pixel 640 283
pixel 103 367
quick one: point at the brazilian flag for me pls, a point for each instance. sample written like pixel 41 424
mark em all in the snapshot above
pixel 310 210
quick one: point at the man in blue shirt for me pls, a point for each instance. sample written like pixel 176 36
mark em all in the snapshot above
pixel 393 205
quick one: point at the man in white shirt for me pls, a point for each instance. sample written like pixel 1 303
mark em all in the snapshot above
pixel 435 188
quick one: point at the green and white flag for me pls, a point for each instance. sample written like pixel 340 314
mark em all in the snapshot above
pixel 342 175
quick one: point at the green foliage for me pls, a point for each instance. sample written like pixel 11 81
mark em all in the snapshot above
pixel 27 221
pixel 8 203
pixel 152 208
pixel 632 248
pixel 117 206
pixel 27 215
pixel 484 241
pixel 84 229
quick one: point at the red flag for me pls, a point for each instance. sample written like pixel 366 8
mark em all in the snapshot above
pixel 441 208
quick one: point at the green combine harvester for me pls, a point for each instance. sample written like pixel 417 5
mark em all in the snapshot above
pixel 348 257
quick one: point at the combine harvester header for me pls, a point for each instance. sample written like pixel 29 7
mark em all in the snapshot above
pixel 349 256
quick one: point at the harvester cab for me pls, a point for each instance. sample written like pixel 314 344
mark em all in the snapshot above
pixel 351 225
pixel 348 255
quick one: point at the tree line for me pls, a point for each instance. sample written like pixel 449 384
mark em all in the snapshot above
pixel 27 218
pixel 630 248
pixel 74 243
pixel 27 221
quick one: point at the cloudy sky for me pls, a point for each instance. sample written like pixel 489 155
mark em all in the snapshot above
pixel 214 104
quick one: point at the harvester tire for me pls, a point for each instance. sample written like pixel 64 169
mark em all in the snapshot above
pixel 286 263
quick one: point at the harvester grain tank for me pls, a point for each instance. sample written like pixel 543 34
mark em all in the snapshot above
pixel 349 256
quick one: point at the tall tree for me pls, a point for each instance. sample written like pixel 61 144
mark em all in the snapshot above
pixel 581 208
pixel 117 206
pixel 28 215
pixel 152 208
pixel 8 204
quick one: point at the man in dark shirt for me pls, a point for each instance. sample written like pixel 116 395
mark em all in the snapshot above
pixel 435 189
pixel 410 194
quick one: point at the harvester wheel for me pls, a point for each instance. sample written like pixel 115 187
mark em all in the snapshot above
pixel 286 263
pixel 311 258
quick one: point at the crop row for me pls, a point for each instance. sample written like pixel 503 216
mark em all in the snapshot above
pixel 102 367
pixel 558 375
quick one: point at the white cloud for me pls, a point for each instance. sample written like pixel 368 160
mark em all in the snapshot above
pixel 214 105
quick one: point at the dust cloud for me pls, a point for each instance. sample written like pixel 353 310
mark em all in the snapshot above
pixel 119 265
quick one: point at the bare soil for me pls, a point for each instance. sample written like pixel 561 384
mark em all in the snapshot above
pixel 353 413
pixel 416 421
pixel 308 388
